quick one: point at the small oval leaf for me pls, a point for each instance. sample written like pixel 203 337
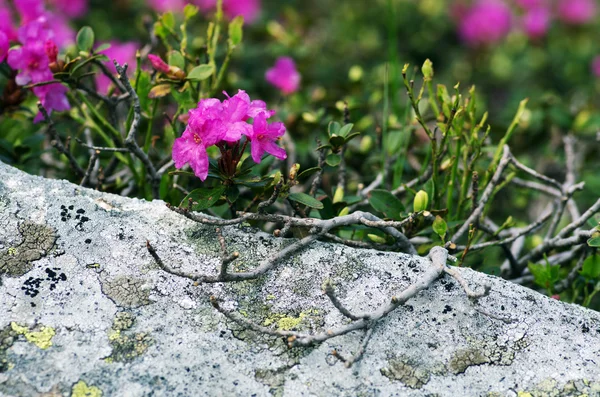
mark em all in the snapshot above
pixel 85 39
pixel 201 72
pixel 307 200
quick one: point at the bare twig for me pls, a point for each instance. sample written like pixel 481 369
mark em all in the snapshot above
pixel 57 142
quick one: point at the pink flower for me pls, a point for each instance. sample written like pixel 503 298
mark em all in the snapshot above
pixel 536 22
pixel 4 45
pixel 158 64
pixel 236 110
pixel 284 75
pixel 51 51
pixel 64 35
pixel 53 97
pixel 123 53
pixel 596 66
pixel 31 61
pixel 167 5
pixel 263 138
pixel 204 129
pixel 486 22
pixel 576 12
pixel 249 9
pixel 71 8
pixel 6 24
pixel 29 9
pixel 530 4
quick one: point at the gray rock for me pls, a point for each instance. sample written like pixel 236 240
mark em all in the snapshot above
pixel 85 310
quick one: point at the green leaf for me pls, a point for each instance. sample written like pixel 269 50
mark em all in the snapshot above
pixel 333 128
pixel 203 198
pixel 345 129
pixel 337 141
pixel 591 267
pixel 102 47
pixel 351 136
pixel 544 275
pixel 168 19
pixel 333 159
pixel 376 239
pixel 594 242
pixel 232 193
pixel 143 88
pixel 174 58
pixel 235 30
pixel 440 227
pixel 85 39
pixel 189 11
pixel 385 202
pixel 308 172
pixel 255 182
pixel 307 200
pixel 201 72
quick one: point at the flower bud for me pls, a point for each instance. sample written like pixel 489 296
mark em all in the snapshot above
pixel 421 201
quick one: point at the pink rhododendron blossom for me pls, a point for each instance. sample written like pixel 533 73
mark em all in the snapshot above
pixel 4 45
pixel 51 50
pixel 31 61
pixel 204 129
pixel 158 64
pixel 52 97
pixel 576 12
pixel 224 124
pixel 531 4
pixel 35 30
pixel 536 22
pixel 263 138
pixel 70 8
pixel 6 24
pixel 486 22
pixel 284 75
pixel 29 9
pixel 596 66
pixel 123 53
pixel 64 35
pixel 249 9
pixel 167 5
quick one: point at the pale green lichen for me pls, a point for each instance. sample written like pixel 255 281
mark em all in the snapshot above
pixel 287 323
pixel 7 339
pixel 127 291
pixel 574 388
pixel 126 346
pixel 409 375
pixel 41 338
pixel 81 389
pixel 37 241
pixel 485 352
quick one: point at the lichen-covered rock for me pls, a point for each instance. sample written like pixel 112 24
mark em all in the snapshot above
pixel 85 310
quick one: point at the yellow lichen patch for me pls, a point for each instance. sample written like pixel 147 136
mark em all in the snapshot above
pixel 81 389
pixel 41 338
pixel 524 394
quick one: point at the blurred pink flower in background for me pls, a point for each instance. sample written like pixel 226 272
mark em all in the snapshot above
pixel 4 45
pixel 249 9
pixel 123 53
pixel 6 24
pixel 596 66
pixel 531 4
pixel 284 75
pixel 70 8
pixel 29 9
pixel 486 22
pixel 536 22
pixel 167 5
pixel 576 12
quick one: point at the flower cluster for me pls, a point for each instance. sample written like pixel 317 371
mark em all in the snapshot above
pixel 37 56
pixel 487 22
pixel 224 124
pixel 122 52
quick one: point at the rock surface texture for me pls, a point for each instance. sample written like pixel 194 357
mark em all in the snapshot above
pixel 86 311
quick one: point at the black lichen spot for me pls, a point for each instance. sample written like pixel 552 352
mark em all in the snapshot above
pixel 31 286
pixel 80 211
pixel 447 309
pixel 448 287
pixel 54 277
pixel 88 240
pixel 585 329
